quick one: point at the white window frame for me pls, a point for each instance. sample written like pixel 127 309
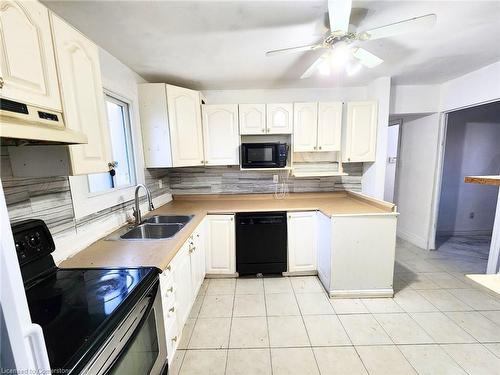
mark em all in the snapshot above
pixel 86 203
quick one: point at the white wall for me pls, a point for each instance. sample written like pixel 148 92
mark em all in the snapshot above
pixel 285 95
pixel 409 99
pixel 373 181
pixel 477 87
pixel 472 148
pixel 417 166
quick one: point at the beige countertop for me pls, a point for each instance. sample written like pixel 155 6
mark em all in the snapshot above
pixel 159 253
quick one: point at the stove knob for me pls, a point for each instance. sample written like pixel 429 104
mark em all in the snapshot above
pixel 20 246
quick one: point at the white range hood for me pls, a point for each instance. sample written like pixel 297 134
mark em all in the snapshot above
pixel 20 122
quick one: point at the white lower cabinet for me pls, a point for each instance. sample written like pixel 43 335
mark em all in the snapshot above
pixel 220 244
pixel 302 241
pixel 179 285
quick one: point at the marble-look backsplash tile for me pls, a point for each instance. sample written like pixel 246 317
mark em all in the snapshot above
pixel 231 180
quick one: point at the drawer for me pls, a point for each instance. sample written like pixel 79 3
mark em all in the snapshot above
pixel 172 337
pixel 169 315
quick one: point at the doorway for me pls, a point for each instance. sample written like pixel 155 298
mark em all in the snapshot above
pixel 466 212
pixel 391 161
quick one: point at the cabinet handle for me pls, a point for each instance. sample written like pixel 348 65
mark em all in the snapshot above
pixel 171 289
pixel 263 130
pixel 315 147
pixel 169 268
pixel 172 309
pixel 320 147
pixel 348 159
pixel 1 82
pixel 191 249
pixel 174 339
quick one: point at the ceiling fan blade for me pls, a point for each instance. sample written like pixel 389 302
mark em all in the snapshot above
pixel 339 12
pixel 314 66
pixel 366 58
pixel 406 26
pixel 310 47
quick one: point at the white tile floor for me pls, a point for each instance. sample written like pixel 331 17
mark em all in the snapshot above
pixel 438 322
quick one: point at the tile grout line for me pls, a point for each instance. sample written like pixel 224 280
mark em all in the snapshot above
pixel 305 327
pixel 267 326
pixel 230 326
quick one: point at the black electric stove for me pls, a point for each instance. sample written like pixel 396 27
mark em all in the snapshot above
pixel 77 309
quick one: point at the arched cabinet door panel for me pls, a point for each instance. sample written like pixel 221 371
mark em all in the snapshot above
pixel 305 123
pixel 27 64
pixel 220 134
pixel 252 119
pixel 280 118
pixel 186 138
pixel 329 126
pixel 361 132
pixel 82 97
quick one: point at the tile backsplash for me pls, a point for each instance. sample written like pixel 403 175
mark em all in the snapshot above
pixel 231 180
pixel 49 198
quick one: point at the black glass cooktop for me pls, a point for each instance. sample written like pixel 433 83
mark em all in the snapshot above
pixel 78 308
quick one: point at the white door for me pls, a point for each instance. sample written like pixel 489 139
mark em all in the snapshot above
pixel 305 125
pixel 302 244
pixel 220 134
pixel 184 114
pixel 220 244
pixel 279 118
pixel 82 97
pixel 361 132
pixel 252 119
pixel 182 284
pixel 329 126
pixel 27 64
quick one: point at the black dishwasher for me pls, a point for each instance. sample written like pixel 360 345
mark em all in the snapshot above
pixel 261 243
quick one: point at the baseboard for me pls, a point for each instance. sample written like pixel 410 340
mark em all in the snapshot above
pixel 221 275
pixel 300 273
pixel 465 233
pixel 412 238
pixel 362 293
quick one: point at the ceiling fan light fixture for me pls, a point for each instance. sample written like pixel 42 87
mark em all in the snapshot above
pixel 324 67
pixel 340 55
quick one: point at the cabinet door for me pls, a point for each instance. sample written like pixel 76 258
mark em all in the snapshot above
pixel 27 64
pixel 252 118
pixel 361 132
pixel 302 241
pixel 305 125
pixel 82 97
pixel 220 244
pixel 220 134
pixel 184 115
pixel 329 126
pixel 197 259
pixel 182 283
pixel 279 118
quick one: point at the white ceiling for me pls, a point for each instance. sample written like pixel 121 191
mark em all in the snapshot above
pixel 221 45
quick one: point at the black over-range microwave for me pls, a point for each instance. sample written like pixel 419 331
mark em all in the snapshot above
pixel 264 155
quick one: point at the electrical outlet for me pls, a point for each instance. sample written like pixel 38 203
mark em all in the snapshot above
pixel 275 178
pixel 160 183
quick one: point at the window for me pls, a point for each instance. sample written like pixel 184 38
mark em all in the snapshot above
pixel 122 150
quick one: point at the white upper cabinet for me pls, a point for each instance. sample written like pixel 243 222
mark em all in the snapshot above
pixel 279 118
pixel 360 132
pixel 27 65
pixel 252 118
pixel 302 241
pixel 329 126
pixel 82 97
pixel 220 245
pixel 154 124
pixel 305 121
pixel 220 134
pixel 184 114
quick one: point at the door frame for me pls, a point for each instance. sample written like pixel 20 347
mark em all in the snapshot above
pixel 398 122
pixel 494 253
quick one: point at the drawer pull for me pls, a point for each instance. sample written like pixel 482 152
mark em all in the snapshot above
pixel 174 339
pixel 172 309
pixel 171 289
pixel 169 268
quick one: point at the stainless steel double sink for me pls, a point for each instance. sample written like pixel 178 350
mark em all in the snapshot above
pixel 156 228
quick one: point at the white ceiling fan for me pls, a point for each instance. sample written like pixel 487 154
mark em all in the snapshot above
pixel 342 45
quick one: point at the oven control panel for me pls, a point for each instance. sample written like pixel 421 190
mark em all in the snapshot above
pixel 32 239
